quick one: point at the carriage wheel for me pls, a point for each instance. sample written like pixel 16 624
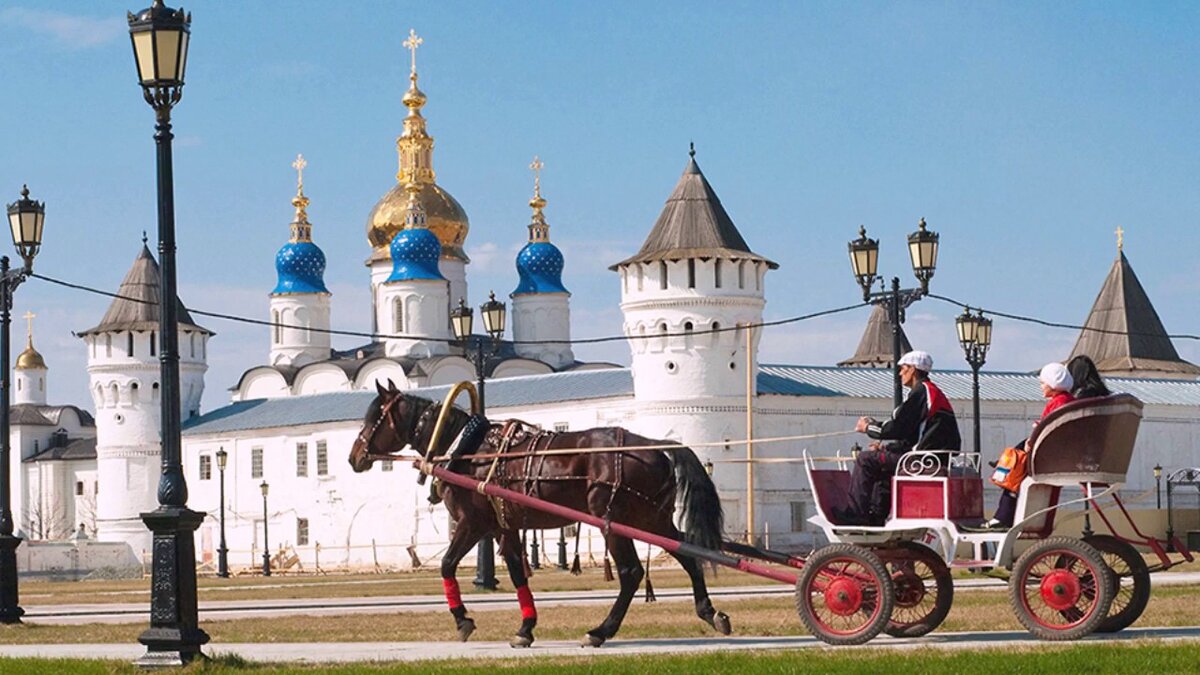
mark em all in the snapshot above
pixel 1131 581
pixel 1061 589
pixel 844 595
pixel 924 590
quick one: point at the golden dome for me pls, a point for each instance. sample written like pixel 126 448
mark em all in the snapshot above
pixel 30 359
pixel 444 215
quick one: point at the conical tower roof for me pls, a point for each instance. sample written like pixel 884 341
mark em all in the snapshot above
pixel 875 347
pixel 1127 338
pixel 694 224
pixel 136 307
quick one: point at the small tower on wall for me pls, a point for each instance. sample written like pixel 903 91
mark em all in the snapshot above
pixel 541 304
pixel 123 374
pixel 444 216
pixel 414 301
pixel 300 303
pixel 684 295
pixel 29 373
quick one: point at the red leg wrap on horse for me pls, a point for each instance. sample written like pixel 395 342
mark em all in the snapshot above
pixel 453 595
pixel 525 599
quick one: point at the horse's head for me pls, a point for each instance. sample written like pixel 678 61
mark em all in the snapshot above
pixel 385 427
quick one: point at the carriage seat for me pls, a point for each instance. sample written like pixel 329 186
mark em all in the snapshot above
pixel 1086 441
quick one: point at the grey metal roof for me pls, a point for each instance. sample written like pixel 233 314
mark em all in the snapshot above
pixel 1139 343
pixel 75 449
pixel 517 392
pixel 352 405
pixel 875 347
pixel 993 386
pixel 693 224
pixel 136 307
pixel 30 414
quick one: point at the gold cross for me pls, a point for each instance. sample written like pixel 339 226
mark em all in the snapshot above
pixel 1120 238
pixel 29 317
pixel 536 165
pixel 299 165
pixel 411 45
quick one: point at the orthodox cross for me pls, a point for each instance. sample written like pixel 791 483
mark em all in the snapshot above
pixel 29 317
pixel 411 45
pixel 536 166
pixel 299 165
pixel 1120 238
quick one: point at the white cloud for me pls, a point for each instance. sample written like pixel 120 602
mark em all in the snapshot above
pixel 68 30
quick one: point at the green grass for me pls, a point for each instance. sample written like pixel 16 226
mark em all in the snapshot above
pixel 1132 657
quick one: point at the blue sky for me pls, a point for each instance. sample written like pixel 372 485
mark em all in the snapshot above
pixel 1025 133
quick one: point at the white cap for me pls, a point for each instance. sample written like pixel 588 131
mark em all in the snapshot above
pixel 917 359
pixel 1057 377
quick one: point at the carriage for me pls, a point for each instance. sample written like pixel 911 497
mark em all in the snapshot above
pixel 895 578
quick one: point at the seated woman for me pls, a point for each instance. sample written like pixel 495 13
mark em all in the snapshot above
pixel 1057 384
pixel 1088 383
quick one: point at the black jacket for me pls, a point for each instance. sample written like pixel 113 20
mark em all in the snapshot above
pixel 924 421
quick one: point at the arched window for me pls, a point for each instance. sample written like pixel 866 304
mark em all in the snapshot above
pixel 276 327
pixel 398 316
pixel 717 273
pixel 741 274
pixel 192 343
pixel 691 272
pixel 153 343
pixel 662 274
pixel 129 344
pixel 639 276
pixel 757 278
pixel 108 344
pixel 687 326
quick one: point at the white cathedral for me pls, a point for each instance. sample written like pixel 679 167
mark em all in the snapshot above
pixel 689 297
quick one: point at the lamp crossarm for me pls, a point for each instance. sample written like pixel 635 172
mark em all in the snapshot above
pixel 907 297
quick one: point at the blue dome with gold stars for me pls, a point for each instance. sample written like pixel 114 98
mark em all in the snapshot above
pixel 301 268
pixel 415 253
pixel 540 267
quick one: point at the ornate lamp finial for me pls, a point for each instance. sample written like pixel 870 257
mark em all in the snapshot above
pixel 1120 239
pixel 691 149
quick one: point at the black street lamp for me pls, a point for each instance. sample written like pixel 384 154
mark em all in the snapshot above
pixel 26 219
pixel 266 541
pixel 975 336
pixel 480 349
pixel 864 258
pixel 160 36
pixel 222 550
pixel 1158 486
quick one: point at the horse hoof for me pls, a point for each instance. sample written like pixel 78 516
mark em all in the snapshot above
pixel 590 640
pixel 721 623
pixel 465 629
pixel 520 641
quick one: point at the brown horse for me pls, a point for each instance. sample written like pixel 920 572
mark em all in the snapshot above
pixel 637 488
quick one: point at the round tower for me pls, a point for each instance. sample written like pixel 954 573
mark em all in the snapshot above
pixel 29 373
pixel 414 301
pixel 123 373
pixel 444 216
pixel 541 304
pixel 687 296
pixel 300 302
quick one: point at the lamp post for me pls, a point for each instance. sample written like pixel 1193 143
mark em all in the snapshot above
pixel 160 38
pixel 480 349
pixel 266 540
pixel 1158 486
pixel 864 258
pixel 562 548
pixel 222 550
pixel 26 219
pixel 975 336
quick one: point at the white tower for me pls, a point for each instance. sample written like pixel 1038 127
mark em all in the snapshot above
pixel 29 373
pixel 414 301
pixel 541 304
pixel 123 369
pixel 444 216
pixel 688 296
pixel 300 301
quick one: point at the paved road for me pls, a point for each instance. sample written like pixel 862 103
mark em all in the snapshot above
pixel 417 651
pixel 242 609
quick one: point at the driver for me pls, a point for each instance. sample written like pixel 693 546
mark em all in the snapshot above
pixel 924 421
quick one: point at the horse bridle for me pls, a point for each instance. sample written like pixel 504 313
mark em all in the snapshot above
pixel 366 436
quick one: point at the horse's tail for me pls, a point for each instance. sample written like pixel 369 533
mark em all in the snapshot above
pixel 702 518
